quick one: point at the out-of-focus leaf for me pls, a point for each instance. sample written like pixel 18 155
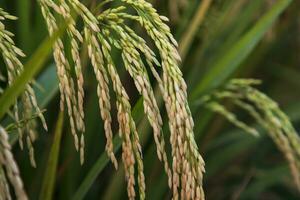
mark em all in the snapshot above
pixel 101 162
pixel 23 13
pixel 267 178
pixel 189 35
pixel 229 62
pixel 48 83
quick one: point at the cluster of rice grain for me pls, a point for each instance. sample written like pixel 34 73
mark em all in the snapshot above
pixel 169 53
pixel 4 187
pixel 75 39
pixel 131 148
pixel 66 81
pixel 11 169
pixel 130 44
pixel 265 111
pixel 187 165
pixel 96 57
pixel 10 54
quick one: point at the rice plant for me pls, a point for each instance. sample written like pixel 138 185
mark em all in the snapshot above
pixel 119 60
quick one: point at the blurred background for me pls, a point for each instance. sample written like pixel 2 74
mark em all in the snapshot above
pixel 218 40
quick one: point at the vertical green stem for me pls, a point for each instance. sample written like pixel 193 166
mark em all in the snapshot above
pixel 50 172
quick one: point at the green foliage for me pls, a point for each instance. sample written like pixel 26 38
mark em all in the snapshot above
pixel 232 59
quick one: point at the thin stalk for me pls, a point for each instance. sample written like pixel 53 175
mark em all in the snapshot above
pixel 189 35
pixel 50 172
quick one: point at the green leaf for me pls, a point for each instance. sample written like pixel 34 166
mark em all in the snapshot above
pixel 50 172
pixel 229 62
pixel 24 28
pixel 263 180
pixel 48 81
pixel 94 172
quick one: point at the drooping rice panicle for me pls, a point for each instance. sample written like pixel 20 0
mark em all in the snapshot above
pixel 188 165
pixel 66 83
pixel 10 54
pixel 75 40
pixel 137 70
pixel 131 149
pixel 29 126
pixel 109 30
pixel 268 115
pixel 102 90
pixel 4 187
pixel 90 34
pixel 187 190
pixel 218 108
pixel 11 168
